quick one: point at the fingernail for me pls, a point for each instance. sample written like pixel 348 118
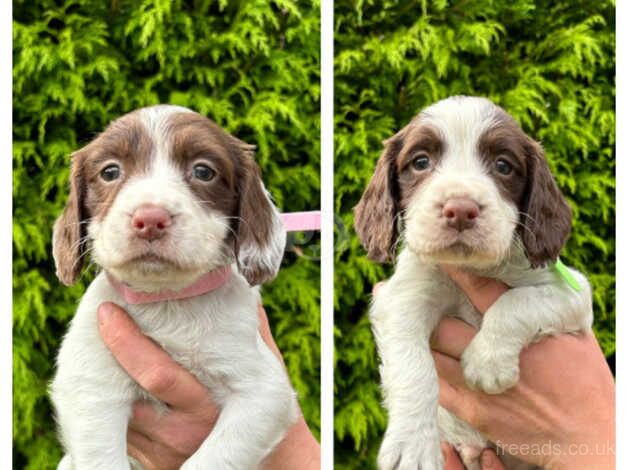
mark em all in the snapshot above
pixel 487 460
pixel 104 313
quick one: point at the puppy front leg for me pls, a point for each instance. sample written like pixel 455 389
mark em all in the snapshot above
pixel 520 316
pixel 409 382
pixel 94 436
pixel 252 421
pixel 246 431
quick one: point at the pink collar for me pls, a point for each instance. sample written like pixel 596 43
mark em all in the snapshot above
pixel 296 221
pixel 206 283
pixel 293 221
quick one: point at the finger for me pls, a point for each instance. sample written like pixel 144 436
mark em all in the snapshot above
pixel 138 447
pixel 452 336
pixel 377 287
pixel 448 369
pixel 490 461
pixel 151 367
pixel 462 402
pixel 452 460
pixel 481 291
pixel 267 336
pixel 144 419
pixel 177 432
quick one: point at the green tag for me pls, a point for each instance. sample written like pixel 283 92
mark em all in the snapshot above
pixel 567 276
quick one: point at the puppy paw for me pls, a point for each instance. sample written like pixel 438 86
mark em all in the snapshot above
pixel 489 367
pixel 411 454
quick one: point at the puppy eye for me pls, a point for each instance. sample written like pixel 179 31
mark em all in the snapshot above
pixel 421 162
pixel 110 173
pixel 503 167
pixel 202 172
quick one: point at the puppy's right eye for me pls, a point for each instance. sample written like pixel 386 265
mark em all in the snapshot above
pixel 110 173
pixel 421 162
pixel 203 172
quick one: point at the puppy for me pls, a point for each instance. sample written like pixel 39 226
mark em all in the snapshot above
pixel 473 191
pixel 173 210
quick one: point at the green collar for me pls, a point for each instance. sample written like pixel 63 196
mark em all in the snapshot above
pixel 564 272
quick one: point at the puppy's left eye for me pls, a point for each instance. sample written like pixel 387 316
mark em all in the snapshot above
pixel 203 172
pixel 110 173
pixel 503 167
pixel 421 162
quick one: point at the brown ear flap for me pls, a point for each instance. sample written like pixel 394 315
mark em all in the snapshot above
pixel 375 214
pixel 546 216
pixel 261 237
pixel 69 233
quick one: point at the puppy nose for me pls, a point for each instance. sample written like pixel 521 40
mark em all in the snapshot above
pixel 150 222
pixel 460 213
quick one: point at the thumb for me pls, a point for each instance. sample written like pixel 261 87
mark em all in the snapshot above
pixel 490 461
pixel 481 291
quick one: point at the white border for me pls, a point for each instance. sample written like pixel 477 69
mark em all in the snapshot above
pixel 6 250
pixel 621 149
pixel 327 234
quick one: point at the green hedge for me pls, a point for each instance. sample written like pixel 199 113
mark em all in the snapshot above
pixel 252 66
pixel 551 64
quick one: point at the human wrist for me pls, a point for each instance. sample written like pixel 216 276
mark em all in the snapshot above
pixel 597 450
pixel 299 450
pixel 569 462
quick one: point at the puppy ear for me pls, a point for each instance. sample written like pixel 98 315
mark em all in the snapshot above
pixel 69 232
pixel 546 217
pixel 261 237
pixel 376 212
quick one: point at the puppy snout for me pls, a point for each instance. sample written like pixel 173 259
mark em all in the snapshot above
pixel 150 222
pixel 461 213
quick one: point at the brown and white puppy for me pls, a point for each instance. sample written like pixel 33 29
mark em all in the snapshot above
pixel 162 197
pixel 462 185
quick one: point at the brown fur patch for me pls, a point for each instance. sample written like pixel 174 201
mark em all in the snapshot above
pixel 376 212
pixel 545 220
pixel 125 142
pixel 392 184
pixel 547 213
pixel 421 139
pixel 507 141
pixel 237 191
pixel 196 139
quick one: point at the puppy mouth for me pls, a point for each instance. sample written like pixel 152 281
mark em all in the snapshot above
pixel 450 243
pixel 460 248
pixel 151 260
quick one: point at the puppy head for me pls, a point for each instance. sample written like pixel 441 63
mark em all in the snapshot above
pixel 162 196
pixel 467 183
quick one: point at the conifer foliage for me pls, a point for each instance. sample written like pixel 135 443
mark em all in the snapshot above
pixel 252 66
pixel 550 64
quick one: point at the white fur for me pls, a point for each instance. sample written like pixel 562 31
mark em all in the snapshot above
pixel 215 336
pixel 411 304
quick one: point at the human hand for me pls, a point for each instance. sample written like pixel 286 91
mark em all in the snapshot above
pixel 561 414
pixel 488 459
pixel 165 441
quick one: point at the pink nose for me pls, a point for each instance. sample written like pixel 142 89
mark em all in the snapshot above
pixel 460 213
pixel 150 222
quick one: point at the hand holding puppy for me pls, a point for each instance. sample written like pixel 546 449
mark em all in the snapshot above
pixel 570 414
pixel 564 403
pixel 166 441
